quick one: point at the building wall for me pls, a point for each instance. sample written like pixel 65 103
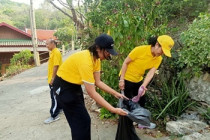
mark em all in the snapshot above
pixel 7 33
pixel 5 60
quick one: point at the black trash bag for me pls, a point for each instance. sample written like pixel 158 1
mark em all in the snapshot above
pixel 126 129
pixel 136 113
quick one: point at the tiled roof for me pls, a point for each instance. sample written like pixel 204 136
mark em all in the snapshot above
pixel 43 34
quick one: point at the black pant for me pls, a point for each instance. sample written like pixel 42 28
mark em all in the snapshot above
pixel 72 101
pixel 55 108
pixel 126 130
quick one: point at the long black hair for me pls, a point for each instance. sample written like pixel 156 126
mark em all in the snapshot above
pixel 93 48
pixel 152 40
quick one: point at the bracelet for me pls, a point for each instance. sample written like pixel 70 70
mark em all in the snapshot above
pixel 121 80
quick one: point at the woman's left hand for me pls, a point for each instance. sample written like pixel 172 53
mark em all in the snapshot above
pixel 145 89
pixel 118 95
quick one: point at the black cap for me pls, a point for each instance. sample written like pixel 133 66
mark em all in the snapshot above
pixel 105 41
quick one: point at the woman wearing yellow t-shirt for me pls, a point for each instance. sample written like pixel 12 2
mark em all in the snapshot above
pixel 84 68
pixel 140 59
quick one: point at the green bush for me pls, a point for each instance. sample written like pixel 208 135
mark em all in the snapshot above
pixel 21 58
pixel 195 53
pixel 15 69
pixel 19 62
pixel 130 25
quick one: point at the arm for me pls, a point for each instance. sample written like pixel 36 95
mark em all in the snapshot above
pixel 148 78
pixel 97 97
pixel 55 69
pixel 123 71
pixel 105 87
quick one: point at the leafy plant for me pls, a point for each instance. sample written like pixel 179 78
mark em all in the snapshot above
pixel 130 25
pixel 21 58
pixel 205 112
pixel 15 69
pixel 172 102
pixel 19 62
pixel 195 54
pixel 65 34
pixel 104 114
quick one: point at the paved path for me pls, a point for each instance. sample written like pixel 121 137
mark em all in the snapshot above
pixel 25 103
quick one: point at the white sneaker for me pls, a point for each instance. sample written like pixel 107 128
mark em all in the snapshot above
pixel 51 119
pixel 152 126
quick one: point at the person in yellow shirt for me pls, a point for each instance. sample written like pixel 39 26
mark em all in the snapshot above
pixel 84 68
pixel 55 60
pixel 139 60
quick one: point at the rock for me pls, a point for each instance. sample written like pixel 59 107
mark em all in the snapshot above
pixel 94 107
pixel 199 88
pixel 183 127
pixel 190 116
pixel 197 136
pixel 98 110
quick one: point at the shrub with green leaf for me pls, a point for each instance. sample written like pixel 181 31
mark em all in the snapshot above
pixel 21 58
pixel 195 53
pixel 130 23
pixel 130 26
pixel 15 69
pixel 172 101
pixel 19 62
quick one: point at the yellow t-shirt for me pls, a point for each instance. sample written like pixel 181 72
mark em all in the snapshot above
pixel 79 68
pixel 55 59
pixel 142 60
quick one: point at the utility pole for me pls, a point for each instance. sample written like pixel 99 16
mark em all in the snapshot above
pixel 34 36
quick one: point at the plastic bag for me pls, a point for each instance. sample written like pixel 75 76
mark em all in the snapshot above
pixel 136 113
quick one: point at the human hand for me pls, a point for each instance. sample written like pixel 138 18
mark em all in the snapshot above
pixel 118 95
pixel 144 91
pixel 51 82
pixel 120 111
pixel 122 84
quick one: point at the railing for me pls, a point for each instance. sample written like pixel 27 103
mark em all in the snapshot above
pixel 43 60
